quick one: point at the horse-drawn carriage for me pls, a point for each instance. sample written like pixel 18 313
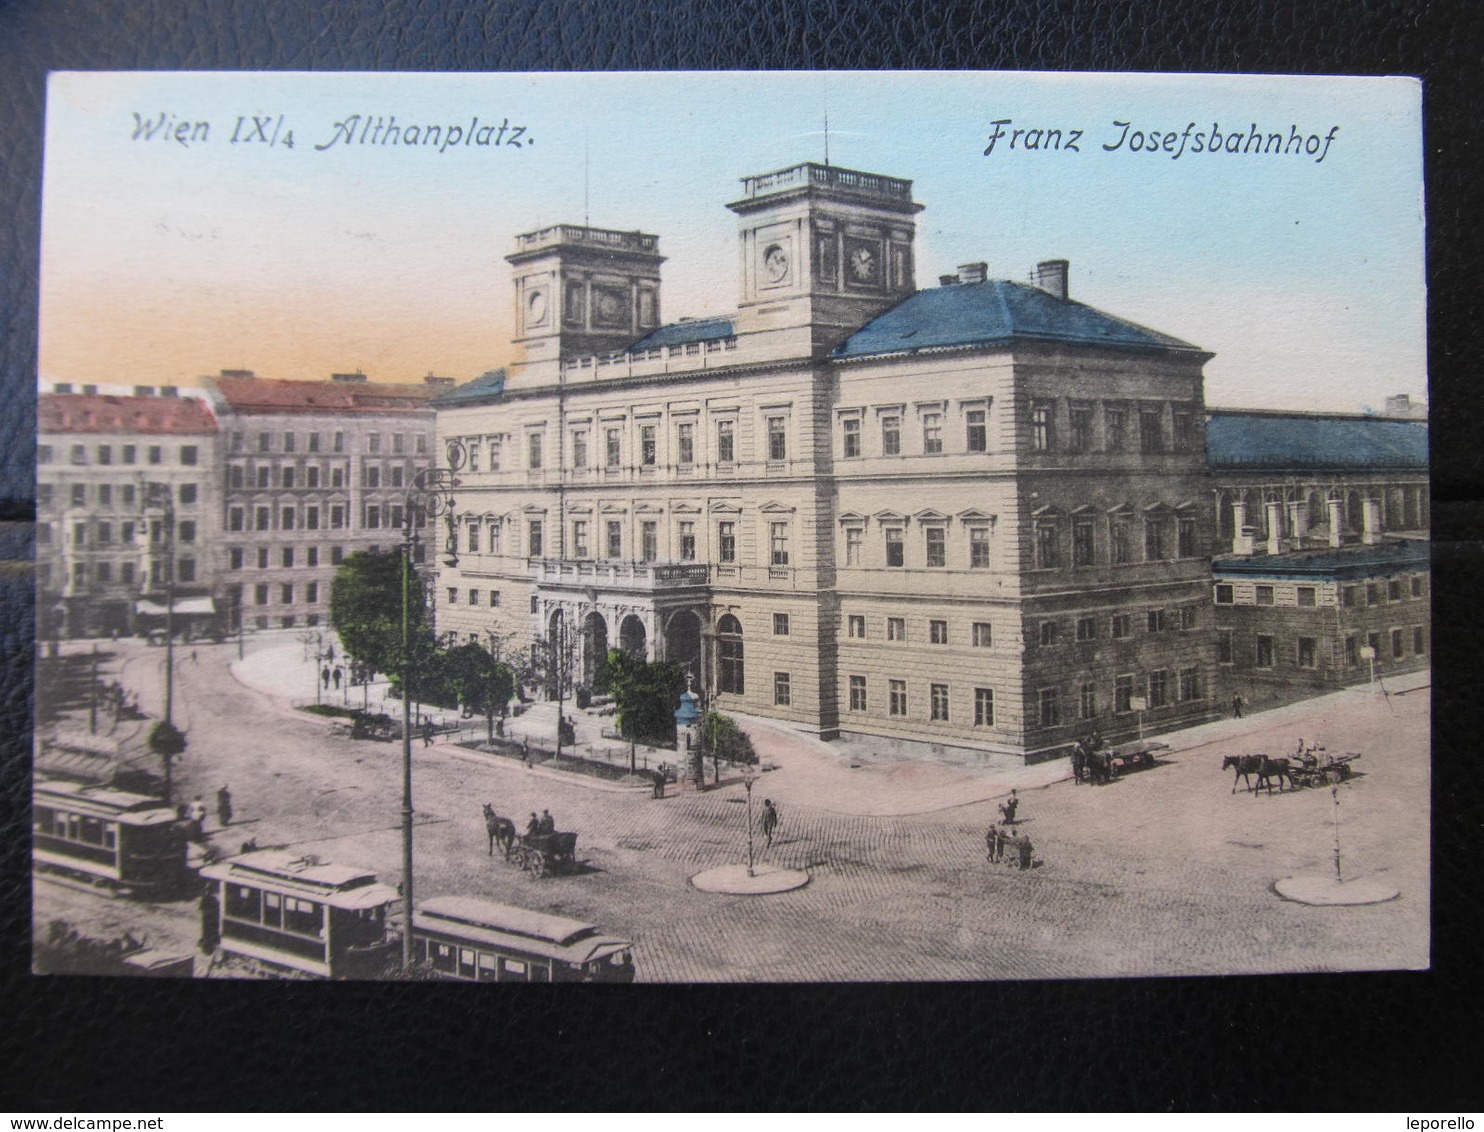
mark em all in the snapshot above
pixel 539 853
pixel 1099 763
pixel 1308 766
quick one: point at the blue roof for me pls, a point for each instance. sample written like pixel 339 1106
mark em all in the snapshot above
pixel 679 333
pixel 991 313
pixel 1274 440
pixel 491 384
pixel 1346 561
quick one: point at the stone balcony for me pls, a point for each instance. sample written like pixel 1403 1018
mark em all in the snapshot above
pixel 645 577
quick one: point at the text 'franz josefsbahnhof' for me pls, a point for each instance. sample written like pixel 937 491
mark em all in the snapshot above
pixel 1128 137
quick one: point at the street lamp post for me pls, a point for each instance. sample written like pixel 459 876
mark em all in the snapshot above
pixel 430 493
pixel 749 778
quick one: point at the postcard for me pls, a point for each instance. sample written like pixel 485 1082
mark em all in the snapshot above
pixel 731 527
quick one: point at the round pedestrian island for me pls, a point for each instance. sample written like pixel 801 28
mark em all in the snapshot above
pixel 1326 890
pixel 734 881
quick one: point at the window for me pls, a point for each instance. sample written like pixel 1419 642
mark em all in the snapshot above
pixel 648 445
pixel 1122 625
pixel 398 442
pixel 496 542
pixel 127 495
pixel 1080 434
pixel 898 697
pixel 729 654
pixel 854 537
pixel 105 571
pixel 105 453
pixel 156 454
pixel 896 629
pixel 977 435
pixel 982 635
pixel 265 442
pixel 1264 595
pixel 337 477
pixel 979 548
pixel 613 447
pixel 1087 701
pixel 286 517
pixel 726 442
pixel 79 453
pixel 1123 694
pixel 262 558
pixel 494 447
pixel 1394 589
pixel 983 707
pixel 339 442
pixel 1087 628
pixel 856 625
pixel 1050 701
pixel 726 541
pixel 311 593
pixel 1042 436
pixel 288 477
pixel 494 599
pixel 1185 537
pixel 337 555
pixel 1184 434
pixel 938 702
pixel 1373 642
pixel 311 518
pixel 262 475
pixel 1352 651
pixel 579 448
pixel 1372 593
pixel 781 694
pixel 79 495
pixel 1224 593
pixel 1151 432
pixel 780 624
pixel 1156 621
pixel 263 518
pixel 685 443
pixel 1190 684
pixel 1118 541
pixel 234 558
pixel 615 538
pixel 649 540
pixel 937 552
pixel 533 538
pixel 187 531
pixel 579 538
pixel 236 475
pixel 189 454
pixel 373 443
pixel 453 595
pixel 891 435
pixel 932 433
pixel 778 541
pixel 314 442
pixel 1307 596
pixel 1048 545
pixel 131 454
pixel 1225 653
pixel 1156 538
pixel 79 534
pixel 1417 640
pixel 857 693
pixel 311 556
pixel 396 475
pixel 533 450
pixel 474 597
pixel 687 541
pixel 1417 585
pixel 1396 644
pixel 852 440
pixel 1048 633
pixel 1159 691
pixel 234 518
pixel 894 551
pixel 1264 651
pixel 777 439
pixel 337 517
pixel 1114 427
pixel 126 573
pixel 938 632
pixel 286 593
pixel 1082 542
pixel 1306 652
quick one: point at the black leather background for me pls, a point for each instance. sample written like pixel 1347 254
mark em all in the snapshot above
pixel 1382 1041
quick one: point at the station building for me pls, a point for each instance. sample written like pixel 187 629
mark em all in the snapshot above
pixel 972 515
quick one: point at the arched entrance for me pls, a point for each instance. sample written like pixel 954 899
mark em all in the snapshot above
pixel 633 638
pixel 683 642
pixel 730 674
pixel 594 646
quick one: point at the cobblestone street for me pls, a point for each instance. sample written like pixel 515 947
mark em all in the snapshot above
pixel 1163 871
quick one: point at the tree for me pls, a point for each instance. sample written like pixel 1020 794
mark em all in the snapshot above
pixel 483 684
pixel 167 741
pixel 366 612
pixel 646 694
pixel 725 740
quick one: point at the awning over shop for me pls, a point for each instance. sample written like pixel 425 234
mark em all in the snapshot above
pixel 182 605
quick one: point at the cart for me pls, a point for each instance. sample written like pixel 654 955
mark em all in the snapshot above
pixel 543 853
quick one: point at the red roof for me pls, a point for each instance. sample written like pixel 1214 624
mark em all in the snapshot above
pixel 262 395
pixel 98 412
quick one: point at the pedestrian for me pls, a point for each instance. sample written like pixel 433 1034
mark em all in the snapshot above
pixel 1009 806
pixel 548 823
pixel 989 840
pixel 336 675
pixel 769 820
pixel 224 806
pixel 999 845
pixel 196 815
pixel 1237 707
pixel 427 732
pixel 1024 845
pixel 659 783
pixel 193 657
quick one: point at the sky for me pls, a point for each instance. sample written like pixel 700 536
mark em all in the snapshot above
pixel 173 253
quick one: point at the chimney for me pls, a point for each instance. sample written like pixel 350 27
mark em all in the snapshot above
pixel 1051 276
pixel 973 272
pixel 433 379
pixel 349 378
pixel 169 391
pixel 144 390
pixel 238 373
pixel 947 280
pixel 62 387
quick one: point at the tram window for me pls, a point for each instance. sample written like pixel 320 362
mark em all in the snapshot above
pixel 443 957
pixel 513 969
pixel 273 909
pixel 301 916
pixel 540 973
pixel 466 962
pixel 243 903
pixel 488 973
pixel 91 831
pixel 110 836
pixel 73 821
pixel 41 820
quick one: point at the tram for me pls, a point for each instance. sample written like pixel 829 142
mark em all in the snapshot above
pixel 129 843
pixel 291 910
pixel 470 939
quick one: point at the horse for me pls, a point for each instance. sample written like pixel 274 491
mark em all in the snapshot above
pixel 1271 769
pixel 499 829
pixel 1246 766
pixel 1100 766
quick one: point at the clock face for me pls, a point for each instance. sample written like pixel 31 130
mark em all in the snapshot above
pixel 863 264
pixel 775 263
pixel 536 308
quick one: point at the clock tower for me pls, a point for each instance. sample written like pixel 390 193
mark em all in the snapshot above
pixel 581 291
pixel 824 250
